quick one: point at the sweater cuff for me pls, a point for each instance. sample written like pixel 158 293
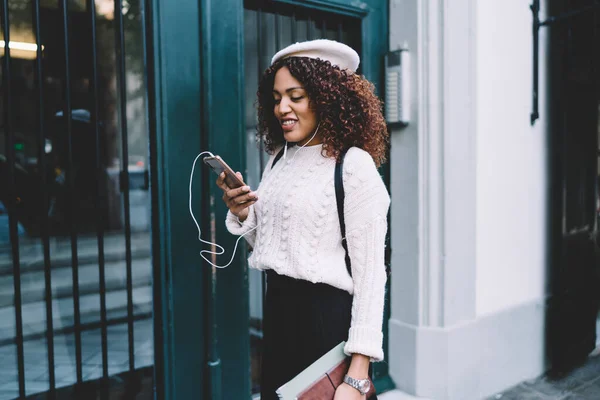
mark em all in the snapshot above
pixel 235 227
pixel 366 341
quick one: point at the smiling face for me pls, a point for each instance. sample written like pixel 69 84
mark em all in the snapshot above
pixel 292 109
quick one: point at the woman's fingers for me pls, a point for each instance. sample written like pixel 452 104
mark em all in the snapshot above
pixel 237 199
pixel 245 198
pixel 234 193
pixel 239 207
pixel 234 201
pixel 221 182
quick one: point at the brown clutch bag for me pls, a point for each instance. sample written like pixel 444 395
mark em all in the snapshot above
pixel 320 380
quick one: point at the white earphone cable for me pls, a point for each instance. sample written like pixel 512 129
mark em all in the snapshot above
pixel 301 147
pixel 220 250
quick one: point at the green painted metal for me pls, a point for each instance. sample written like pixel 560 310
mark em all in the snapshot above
pixel 174 102
pixel 350 8
pixel 223 120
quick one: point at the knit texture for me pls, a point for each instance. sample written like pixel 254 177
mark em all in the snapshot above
pixel 298 232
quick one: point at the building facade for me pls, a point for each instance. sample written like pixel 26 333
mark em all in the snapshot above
pixel 494 200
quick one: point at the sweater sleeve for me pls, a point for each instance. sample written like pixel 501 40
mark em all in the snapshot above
pixel 366 206
pixel 235 227
pixel 233 224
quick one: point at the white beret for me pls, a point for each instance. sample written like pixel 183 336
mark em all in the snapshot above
pixel 335 52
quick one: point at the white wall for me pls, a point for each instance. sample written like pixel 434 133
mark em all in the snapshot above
pixel 511 178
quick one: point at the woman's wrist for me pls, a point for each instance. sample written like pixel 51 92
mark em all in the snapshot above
pixel 359 366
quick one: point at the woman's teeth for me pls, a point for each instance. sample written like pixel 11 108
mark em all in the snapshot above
pixel 290 122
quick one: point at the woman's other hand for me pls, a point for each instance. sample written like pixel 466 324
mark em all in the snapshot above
pixel 347 392
pixel 237 200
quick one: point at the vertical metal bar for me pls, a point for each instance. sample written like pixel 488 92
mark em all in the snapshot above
pixel 39 82
pixel 566 143
pixel 309 28
pixel 215 365
pixel 324 29
pixel 294 28
pixel 12 197
pixel 160 332
pixel 120 49
pixel 278 34
pixel 593 148
pixel 261 151
pixel 340 31
pixel 100 206
pixel 261 69
pixel 71 186
pixel 535 10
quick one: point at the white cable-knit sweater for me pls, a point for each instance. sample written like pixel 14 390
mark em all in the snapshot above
pixel 298 232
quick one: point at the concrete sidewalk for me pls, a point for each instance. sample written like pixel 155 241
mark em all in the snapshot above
pixel 583 383
pixel 398 395
pixel 36 358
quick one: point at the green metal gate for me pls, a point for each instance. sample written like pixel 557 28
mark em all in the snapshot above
pixel 75 258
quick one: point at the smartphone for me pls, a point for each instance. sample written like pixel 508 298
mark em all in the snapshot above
pixel 219 166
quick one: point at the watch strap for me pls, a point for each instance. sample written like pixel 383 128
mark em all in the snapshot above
pixel 357 384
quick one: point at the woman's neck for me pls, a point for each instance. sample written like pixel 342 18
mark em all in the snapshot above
pixel 308 142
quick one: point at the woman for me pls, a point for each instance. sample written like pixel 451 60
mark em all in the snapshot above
pixel 313 108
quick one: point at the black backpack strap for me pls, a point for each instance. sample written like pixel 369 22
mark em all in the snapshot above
pixel 339 195
pixel 277 157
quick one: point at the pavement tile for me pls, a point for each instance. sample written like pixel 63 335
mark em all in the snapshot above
pixel 589 371
pixel 31 387
pixel 7 332
pixel 520 392
pixel 143 361
pixel 36 358
pixel 7 377
pixel 117 369
pixel 588 392
pixel 9 394
pixel 554 388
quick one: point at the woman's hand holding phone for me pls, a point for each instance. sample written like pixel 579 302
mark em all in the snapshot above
pixel 237 200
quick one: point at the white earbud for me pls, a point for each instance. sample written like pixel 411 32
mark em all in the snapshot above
pixel 305 144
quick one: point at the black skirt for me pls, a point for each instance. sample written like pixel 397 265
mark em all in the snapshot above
pixel 302 321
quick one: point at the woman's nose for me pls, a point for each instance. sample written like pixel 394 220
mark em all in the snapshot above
pixel 284 106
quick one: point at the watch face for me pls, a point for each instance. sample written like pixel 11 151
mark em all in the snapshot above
pixel 365 386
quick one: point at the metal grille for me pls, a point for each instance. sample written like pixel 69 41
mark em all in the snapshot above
pixel 74 206
pixel 269 27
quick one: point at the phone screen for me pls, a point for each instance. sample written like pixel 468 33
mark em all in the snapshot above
pixel 219 166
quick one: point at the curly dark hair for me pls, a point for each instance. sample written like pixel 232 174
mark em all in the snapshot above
pixel 347 108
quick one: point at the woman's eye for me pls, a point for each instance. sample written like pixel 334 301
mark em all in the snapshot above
pixel 277 101
pixel 297 98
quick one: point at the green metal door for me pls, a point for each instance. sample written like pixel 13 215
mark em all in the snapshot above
pixel 269 27
pixel 197 63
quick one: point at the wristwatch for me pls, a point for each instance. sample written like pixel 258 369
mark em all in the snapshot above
pixel 362 385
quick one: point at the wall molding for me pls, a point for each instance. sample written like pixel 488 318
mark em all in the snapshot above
pixel 431 159
pixel 447 161
pixel 470 360
pixel 433 186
